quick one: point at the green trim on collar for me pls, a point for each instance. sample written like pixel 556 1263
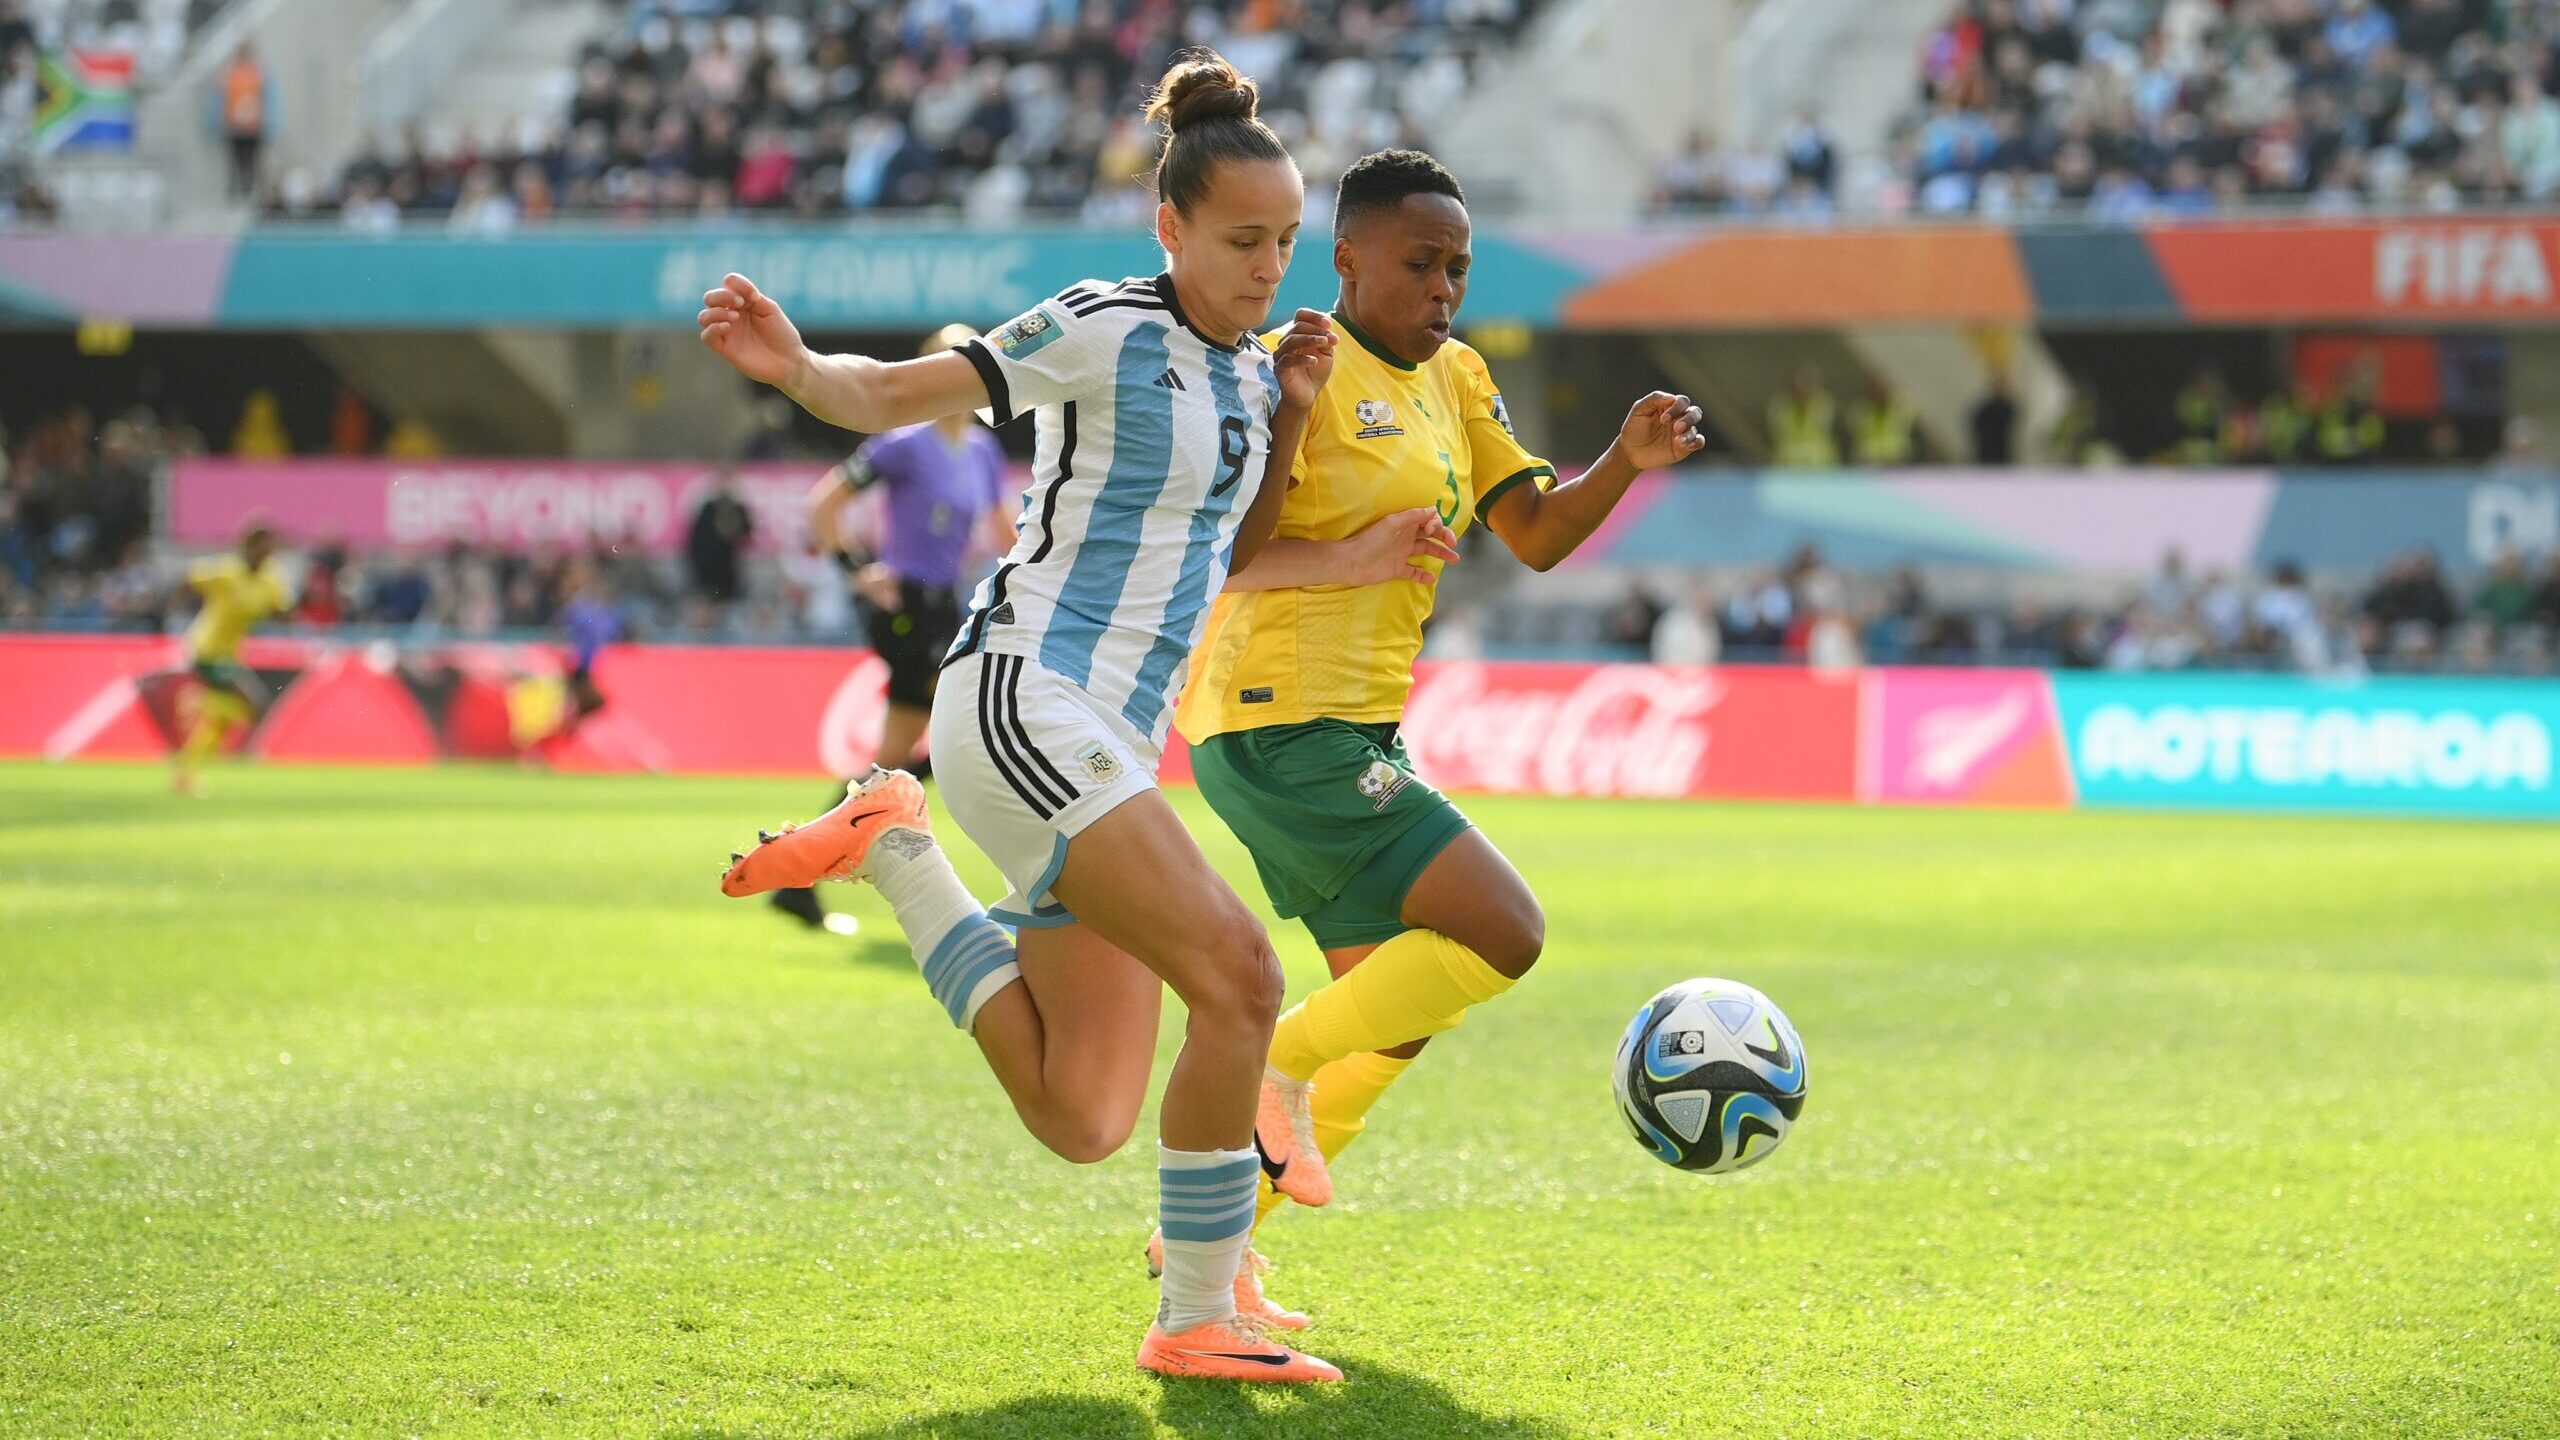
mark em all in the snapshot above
pixel 1370 345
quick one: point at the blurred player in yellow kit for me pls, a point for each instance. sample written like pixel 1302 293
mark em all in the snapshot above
pixel 239 591
pixel 1298 686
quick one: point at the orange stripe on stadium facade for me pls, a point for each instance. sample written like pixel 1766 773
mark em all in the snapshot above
pixel 2420 269
pixel 1760 278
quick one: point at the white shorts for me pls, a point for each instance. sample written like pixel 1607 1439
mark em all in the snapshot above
pixel 1026 760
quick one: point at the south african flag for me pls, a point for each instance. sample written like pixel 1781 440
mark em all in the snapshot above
pixel 84 101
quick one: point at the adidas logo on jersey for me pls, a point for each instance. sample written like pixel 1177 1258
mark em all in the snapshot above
pixel 1170 381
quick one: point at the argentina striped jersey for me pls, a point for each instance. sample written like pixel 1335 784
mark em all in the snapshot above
pixel 1152 441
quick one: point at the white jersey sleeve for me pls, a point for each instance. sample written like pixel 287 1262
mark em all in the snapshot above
pixel 1046 355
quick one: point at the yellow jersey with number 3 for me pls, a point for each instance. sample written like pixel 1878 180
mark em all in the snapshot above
pixel 1385 436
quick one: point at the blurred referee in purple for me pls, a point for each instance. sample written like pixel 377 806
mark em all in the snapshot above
pixel 946 484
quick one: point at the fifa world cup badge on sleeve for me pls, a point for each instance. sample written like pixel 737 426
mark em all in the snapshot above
pixel 1027 334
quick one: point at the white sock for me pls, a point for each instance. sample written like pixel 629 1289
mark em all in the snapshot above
pixel 1206 1209
pixel 966 957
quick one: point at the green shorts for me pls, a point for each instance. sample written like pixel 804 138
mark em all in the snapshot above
pixel 1339 825
pixel 228 675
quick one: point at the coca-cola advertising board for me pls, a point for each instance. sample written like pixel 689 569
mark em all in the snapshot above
pixel 1635 731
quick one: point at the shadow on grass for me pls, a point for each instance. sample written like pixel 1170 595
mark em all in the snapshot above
pixel 1374 1401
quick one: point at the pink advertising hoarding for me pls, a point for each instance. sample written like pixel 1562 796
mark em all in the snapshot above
pixel 505 503
pixel 1963 737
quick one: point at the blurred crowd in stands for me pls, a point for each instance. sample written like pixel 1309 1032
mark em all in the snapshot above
pixel 80 498
pixel 2295 423
pixel 2409 617
pixel 992 108
pixel 2126 110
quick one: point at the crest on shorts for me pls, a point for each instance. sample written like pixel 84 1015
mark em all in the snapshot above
pixel 1381 782
pixel 1033 329
pixel 1100 765
pixel 1377 419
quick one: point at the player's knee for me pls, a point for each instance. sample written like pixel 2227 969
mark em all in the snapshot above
pixel 1244 985
pixel 1515 938
pixel 1082 1139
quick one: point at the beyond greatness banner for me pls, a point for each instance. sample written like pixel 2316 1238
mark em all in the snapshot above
pixel 2481 748
pixel 509 504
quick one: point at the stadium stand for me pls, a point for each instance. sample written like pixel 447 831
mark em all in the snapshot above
pixel 991 108
pixel 2126 109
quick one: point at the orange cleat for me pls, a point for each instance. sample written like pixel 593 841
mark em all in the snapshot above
pixel 1251 1303
pixel 1229 1350
pixel 833 846
pixel 1285 1129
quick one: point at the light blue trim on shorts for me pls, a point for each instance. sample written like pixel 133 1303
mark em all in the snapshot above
pixel 1042 917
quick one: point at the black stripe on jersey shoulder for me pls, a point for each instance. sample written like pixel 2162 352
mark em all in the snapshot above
pixel 1127 303
pixel 1124 293
pixel 999 393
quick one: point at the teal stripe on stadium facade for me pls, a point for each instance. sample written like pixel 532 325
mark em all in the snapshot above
pixel 1141 456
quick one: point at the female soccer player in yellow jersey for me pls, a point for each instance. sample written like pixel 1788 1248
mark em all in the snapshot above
pixel 1297 687
pixel 239 591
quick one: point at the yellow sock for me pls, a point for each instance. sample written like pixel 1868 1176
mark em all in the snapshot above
pixel 1345 1090
pixel 1415 985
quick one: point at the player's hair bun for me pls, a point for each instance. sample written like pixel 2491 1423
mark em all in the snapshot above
pixel 1207 108
pixel 1202 86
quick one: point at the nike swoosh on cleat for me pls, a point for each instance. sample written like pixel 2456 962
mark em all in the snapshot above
pixel 1256 1359
pixel 1273 1169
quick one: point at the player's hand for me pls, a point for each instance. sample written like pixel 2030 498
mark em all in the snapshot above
pixel 745 327
pixel 1661 430
pixel 1393 547
pixel 1303 360
pixel 878 584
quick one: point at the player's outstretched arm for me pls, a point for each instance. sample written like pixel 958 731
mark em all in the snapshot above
pixel 747 328
pixel 1391 547
pixel 1544 526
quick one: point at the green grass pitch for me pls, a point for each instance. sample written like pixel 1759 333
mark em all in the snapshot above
pixel 459 1102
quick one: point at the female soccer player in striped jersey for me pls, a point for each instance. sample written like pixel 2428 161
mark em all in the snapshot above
pixel 1159 414
pixel 1299 686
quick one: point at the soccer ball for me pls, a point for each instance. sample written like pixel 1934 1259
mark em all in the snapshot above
pixel 1710 1076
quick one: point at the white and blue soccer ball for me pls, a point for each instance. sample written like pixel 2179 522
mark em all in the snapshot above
pixel 1710 1076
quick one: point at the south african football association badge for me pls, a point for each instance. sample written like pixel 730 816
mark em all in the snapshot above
pixel 1377 419
pixel 1381 782
pixel 1022 336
